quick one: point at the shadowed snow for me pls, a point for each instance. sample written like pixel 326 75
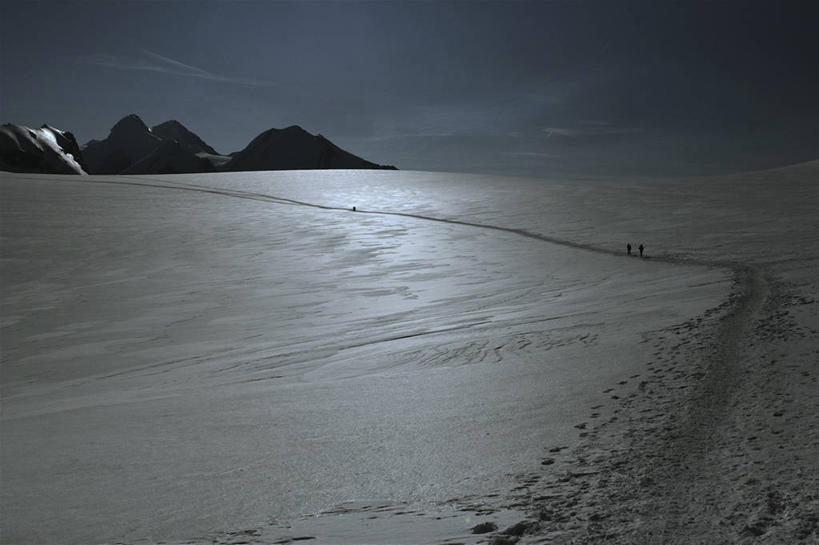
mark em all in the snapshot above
pixel 196 354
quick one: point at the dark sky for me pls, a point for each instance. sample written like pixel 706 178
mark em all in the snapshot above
pixel 576 89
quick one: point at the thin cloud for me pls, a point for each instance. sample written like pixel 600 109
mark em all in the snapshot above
pixel 148 61
pixel 408 135
pixel 172 66
pixel 592 129
pixel 535 154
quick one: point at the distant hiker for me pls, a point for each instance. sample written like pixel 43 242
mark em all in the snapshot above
pixel 353 208
pixel 628 248
pixel 641 250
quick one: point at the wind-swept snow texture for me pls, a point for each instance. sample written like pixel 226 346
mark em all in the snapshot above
pixel 209 358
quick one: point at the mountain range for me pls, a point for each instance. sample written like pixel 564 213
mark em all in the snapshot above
pixel 132 147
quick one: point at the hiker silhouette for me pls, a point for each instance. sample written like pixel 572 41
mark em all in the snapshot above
pixel 641 250
pixel 628 248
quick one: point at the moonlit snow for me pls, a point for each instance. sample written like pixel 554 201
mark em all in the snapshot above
pixel 242 357
pixel 38 150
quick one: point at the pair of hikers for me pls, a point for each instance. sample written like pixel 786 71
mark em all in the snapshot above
pixel 628 249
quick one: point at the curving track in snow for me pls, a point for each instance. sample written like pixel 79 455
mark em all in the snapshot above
pixel 705 412
pixel 683 467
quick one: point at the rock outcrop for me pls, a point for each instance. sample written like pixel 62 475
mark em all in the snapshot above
pixel 45 150
pixel 294 148
pixel 129 141
pixel 168 148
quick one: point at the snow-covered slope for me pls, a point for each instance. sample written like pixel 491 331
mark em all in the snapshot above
pixel 44 150
pixel 217 162
pixel 294 148
pixel 189 357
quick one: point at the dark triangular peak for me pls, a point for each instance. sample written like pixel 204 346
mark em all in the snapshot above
pixel 293 148
pixel 171 157
pixel 175 130
pixel 291 133
pixel 129 125
pixel 129 141
pixel 294 129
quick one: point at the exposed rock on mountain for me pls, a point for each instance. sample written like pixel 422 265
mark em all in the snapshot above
pixel 132 148
pixel 129 141
pixel 294 148
pixel 174 130
pixel 69 144
pixel 167 148
pixel 171 157
pixel 44 150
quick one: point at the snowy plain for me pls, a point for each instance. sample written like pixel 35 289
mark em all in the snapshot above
pixel 225 357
